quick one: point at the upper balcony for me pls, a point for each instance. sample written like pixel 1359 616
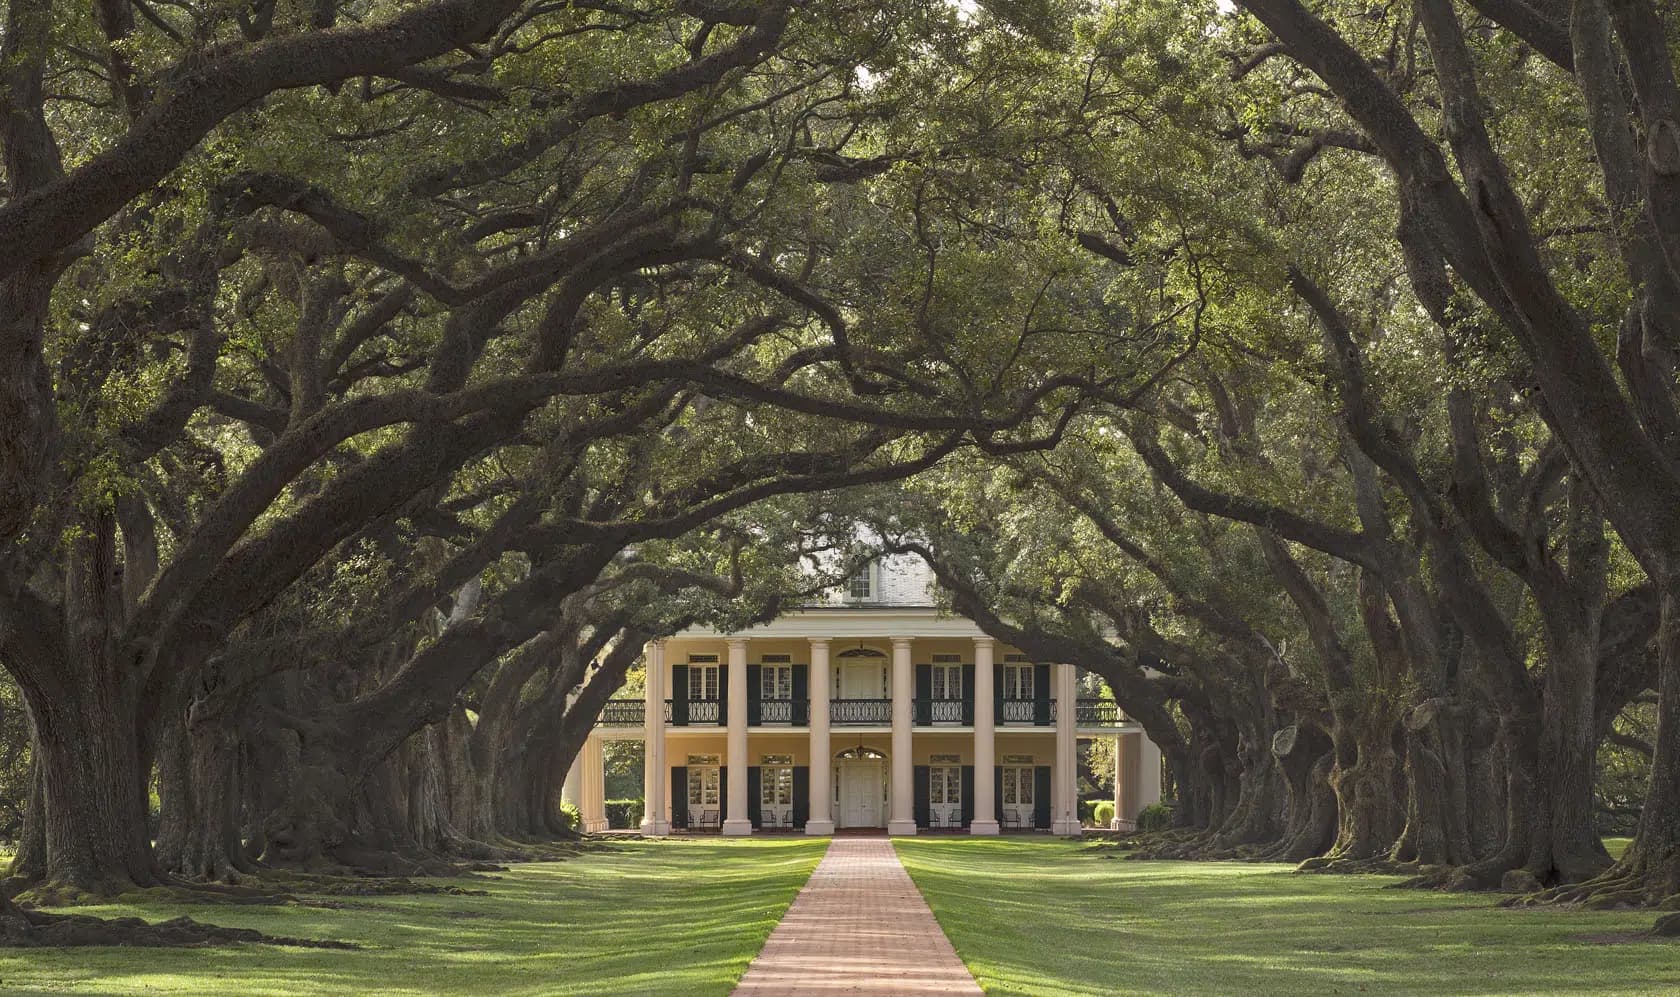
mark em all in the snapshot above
pixel 795 713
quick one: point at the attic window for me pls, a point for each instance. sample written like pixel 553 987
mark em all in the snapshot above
pixel 862 583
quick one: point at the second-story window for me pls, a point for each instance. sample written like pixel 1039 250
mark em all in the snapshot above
pixel 702 681
pixel 947 681
pixel 862 583
pixel 775 681
pixel 1017 681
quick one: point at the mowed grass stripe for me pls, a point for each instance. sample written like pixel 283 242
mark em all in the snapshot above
pixel 1053 917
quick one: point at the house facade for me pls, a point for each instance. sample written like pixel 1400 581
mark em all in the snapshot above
pixel 872 709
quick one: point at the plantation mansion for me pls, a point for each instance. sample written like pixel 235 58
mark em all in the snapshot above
pixel 871 709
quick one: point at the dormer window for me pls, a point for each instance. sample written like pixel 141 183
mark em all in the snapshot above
pixel 861 585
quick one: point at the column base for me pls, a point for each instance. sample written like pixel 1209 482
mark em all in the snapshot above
pixel 901 827
pixel 655 828
pixel 819 827
pixel 737 827
pixel 1066 828
pixel 978 826
pixel 595 826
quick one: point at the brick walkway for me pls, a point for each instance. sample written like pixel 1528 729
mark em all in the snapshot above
pixel 858 927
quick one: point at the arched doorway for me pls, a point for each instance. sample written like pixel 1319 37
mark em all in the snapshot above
pixel 860 787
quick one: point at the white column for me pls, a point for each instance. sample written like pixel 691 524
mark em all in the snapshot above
pixel 1120 757
pixel 594 787
pixel 737 824
pixel 655 774
pixel 1149 772
pixel 571 791
pixel 903 818
pixel 985 741
pixel 1064 776
pixel 821 818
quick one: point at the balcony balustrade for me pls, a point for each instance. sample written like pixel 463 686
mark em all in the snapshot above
pixel 623 713
pixel 942 711
pixel 1088 712
pixel 1018 711
pixel 860 711
pixel 1097 713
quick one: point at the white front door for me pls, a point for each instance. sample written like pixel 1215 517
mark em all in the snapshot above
pixel 860 793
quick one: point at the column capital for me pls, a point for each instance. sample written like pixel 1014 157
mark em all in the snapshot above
pixel 734 642
pixel 983 641
pixel 820 641
pixel 898 642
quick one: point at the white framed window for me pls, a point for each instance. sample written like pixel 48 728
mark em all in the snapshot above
pixel 947 681
pixel 703 677
pixel 944 784
pixel 775 786
pixel 703 786
pixel 862 583
pixel 1017 785
pixel 1017 681
pixel 775 681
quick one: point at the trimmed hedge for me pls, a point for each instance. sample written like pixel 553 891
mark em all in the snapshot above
pixel 1154 817
pixel 624 815
pixel 1102 815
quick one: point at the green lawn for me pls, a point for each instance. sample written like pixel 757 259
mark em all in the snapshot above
pixel 683 917
pixel 1047 917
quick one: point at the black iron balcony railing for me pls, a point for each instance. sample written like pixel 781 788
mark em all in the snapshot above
pixel 623 713
pixel 860 711
pixel 1087 713
pixel 775 711
pixel 1097 713
pixel 1018 711
pixel 939 711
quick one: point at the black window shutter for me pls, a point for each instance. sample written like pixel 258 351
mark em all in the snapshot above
pixel 801 794
pixel 755 700
pixel 997 696
pixel 924 694
pixel 723 792
pixel 679 796
pixel 723 695
pixel 968 696
pixel 997 792
pixel 1041 694
pixel 924 808
pixel 1041 796
pixel 679 695
pixel 755 789
pixel 967 793
pixel 801 695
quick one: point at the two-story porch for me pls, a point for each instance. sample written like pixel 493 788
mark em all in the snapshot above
pixel 818 721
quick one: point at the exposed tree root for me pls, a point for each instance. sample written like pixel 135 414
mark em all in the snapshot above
pixel 1373 866
pixel 22 928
